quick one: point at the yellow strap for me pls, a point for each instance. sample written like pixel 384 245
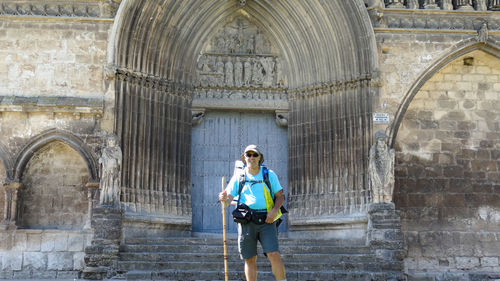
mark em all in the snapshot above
pixel 270 202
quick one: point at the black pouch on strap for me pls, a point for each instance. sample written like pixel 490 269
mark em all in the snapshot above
pixel 259 217
pixel 242 214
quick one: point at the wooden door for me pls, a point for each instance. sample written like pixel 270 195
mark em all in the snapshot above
pixel 217 142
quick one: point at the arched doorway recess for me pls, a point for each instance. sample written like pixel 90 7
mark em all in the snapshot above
pixel 326 52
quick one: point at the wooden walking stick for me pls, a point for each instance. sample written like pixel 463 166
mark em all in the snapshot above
pixel 224 229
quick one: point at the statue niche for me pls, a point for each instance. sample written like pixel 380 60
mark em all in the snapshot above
pixel 381 169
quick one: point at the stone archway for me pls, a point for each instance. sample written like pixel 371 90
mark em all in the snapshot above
pixel 327 56
pixel 447 165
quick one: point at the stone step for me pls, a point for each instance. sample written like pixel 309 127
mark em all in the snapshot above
pixel 232 248
pixel 234 256
pixel 233 275
pixel 218 241
pixel 263 264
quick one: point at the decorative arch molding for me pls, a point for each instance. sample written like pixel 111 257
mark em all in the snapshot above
pixel 165 38
pixel 328 56
pixel 465 47
pixel 48 137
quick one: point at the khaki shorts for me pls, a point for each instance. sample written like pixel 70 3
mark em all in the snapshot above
pixel 250 233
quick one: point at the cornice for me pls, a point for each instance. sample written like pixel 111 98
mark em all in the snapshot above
pixel 433 21
pixel 90 9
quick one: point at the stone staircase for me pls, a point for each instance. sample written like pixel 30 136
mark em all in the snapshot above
pixel 202 259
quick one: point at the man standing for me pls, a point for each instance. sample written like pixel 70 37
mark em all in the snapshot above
pixel 253 195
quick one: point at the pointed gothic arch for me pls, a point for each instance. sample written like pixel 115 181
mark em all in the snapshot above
pixel 47 137
pixel 465 47
pixel 329 56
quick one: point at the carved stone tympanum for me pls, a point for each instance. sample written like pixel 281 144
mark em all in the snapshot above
pixel 110 167
pixel 381 169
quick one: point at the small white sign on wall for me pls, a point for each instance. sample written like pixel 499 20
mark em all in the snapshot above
pixel 380 118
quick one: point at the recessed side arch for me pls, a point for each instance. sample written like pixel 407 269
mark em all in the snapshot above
pixel 50 136
pixel 459 50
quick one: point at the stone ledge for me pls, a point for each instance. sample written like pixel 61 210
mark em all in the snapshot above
pixel 53 104
pixel 329 220
pixel 163 219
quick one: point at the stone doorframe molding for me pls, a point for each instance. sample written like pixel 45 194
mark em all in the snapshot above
pixel 11 190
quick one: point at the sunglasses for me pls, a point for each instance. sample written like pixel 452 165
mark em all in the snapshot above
pixel 252 155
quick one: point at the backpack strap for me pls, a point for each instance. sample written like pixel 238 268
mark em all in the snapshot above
pixel 265 175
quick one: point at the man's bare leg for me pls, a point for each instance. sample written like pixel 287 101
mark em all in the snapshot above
pixel 251 268
pixel 277 265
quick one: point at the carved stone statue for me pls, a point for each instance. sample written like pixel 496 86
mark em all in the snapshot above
pixel 110 165
pixel 481 5
pixel 447 5
pixel 412 4
pixel 482 33
pixel 248 72
pixel 229 74
pixel 381 169
pixel 238 73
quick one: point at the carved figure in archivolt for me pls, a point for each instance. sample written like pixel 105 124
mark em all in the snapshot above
pixel 258 72
pixel 238 73
pixel 248 72
pixel 110 164
pixel 229 74
pixel 381 169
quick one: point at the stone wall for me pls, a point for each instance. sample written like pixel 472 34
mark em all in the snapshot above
pixel 448 169
pixel 62 58
pixel 54 193
pixel 42 254
pixel 405 56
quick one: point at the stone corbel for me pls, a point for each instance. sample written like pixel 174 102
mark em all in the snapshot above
pixel 11 190
pixel 197 114
pixel 109 72
pixel 282 118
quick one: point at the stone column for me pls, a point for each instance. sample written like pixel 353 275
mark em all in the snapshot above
pixel 394 3
pixel 385 237
pixel 464 5
pixel 101 257
pixel 92 188
pixel 11 190
pixel 431 4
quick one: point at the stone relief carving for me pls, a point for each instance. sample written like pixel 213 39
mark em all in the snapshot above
pixel 102 8
pixel 381 169
pixel 239 55
pixel 110 164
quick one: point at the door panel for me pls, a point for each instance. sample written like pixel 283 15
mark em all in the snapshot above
pixel 217 143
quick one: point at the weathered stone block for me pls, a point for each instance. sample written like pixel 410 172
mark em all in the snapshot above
pixel 60 261
pixel 467 262
pixel 489 262
pixel 78 261
pixel 12 260
pixel 76 242
pixel 34 242
pixel 34 260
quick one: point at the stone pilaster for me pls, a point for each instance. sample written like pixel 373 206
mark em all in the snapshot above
pixel 385 236
pixel 101 257
pixel 11 190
